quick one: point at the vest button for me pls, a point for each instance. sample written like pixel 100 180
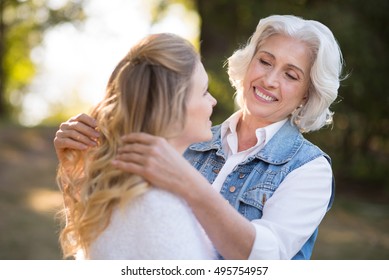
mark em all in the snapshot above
pixel 241 175
pixel 216 171
pixel 232 189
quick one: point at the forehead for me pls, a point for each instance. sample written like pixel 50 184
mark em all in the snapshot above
pixel 288 49
pixel 199 73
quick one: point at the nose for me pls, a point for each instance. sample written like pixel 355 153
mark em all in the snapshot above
pixel 213 100
pixel 271 78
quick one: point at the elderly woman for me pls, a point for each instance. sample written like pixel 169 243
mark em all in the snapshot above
pixel 264 189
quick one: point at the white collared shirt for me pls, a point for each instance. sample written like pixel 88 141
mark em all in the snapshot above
pixel 229 139
pixel 305 192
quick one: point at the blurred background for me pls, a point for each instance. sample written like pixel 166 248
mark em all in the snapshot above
pixel 56 57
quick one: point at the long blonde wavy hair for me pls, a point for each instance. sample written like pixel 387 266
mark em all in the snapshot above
pixel 147 92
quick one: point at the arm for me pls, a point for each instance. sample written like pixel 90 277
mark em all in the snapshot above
pixel 231 234
pixel 305 192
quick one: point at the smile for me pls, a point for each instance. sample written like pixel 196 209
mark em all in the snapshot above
pixel 264 96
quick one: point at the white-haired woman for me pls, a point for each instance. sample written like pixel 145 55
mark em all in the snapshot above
pixel 265 189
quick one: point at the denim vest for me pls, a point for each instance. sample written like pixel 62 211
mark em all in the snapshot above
pixel 253 182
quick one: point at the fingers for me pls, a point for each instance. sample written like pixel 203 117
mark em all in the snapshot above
pixel 77 133
pixel 146 144
pixel 80 128
pixel 134 148
pixel 140 153
pixel 68 143
pixel 129 167
pixel 84 118
pixel 135 158
pixel 152 158
pixel 132 162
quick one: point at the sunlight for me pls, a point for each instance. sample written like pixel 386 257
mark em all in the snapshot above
pixel 42 200
pixel 79 61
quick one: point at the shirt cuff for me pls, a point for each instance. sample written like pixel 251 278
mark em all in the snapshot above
pixel 265 245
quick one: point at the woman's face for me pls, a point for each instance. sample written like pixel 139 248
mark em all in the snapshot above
pixel 199 110
pixel 277 80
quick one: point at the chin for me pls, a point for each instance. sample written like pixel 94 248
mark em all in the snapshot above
pixel 209 138
pixel 205 137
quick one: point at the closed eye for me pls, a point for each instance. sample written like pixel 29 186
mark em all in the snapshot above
pixel 291 76
pixel 264 62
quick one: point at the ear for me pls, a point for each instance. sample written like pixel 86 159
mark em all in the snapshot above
pixel 304 100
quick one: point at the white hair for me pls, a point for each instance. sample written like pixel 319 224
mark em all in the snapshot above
pixel 327 62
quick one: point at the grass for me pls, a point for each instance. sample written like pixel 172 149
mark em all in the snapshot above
pixel 355 228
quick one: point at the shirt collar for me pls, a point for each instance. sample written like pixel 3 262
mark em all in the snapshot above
pixel 263 134
pixel 229 125
pixel 272 129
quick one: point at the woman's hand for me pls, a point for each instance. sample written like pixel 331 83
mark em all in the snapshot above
pixel 154 159
pixel 157 161
pixel 77 133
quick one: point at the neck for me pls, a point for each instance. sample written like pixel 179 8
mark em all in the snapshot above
pixel 179 147
pixel 246 131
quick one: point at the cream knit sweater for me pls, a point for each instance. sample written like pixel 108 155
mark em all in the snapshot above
pixel 156 225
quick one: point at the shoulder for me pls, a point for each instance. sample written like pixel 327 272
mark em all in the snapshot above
pixel 159 225
pixel 310 152
pixel 153 208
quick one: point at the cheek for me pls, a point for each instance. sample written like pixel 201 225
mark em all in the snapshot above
pixel 193 114
pixel 248 77
pixel 253 74
pixel 300 92
pixel 202 109
pixel 246 86
pixel 293 90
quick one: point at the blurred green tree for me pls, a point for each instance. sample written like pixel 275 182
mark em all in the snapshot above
pixel 22 25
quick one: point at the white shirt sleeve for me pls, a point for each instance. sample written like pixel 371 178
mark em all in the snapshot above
pixel 294 211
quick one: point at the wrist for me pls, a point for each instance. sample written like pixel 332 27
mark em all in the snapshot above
pixel 194 188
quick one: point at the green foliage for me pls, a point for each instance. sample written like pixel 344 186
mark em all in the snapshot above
pixel 158 8
pixel 22 27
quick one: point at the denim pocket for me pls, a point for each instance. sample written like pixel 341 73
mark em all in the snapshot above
pixel 253 201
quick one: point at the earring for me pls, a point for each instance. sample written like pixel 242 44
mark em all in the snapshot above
pixel 297 110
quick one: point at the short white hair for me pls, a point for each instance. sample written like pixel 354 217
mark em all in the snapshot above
pixel 325 75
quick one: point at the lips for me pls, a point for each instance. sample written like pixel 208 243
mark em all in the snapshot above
pixel 266 97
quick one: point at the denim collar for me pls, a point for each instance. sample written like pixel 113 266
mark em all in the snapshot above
pixel 280 149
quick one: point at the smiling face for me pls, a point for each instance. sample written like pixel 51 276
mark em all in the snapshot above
pixel 199 109
pixel 277 80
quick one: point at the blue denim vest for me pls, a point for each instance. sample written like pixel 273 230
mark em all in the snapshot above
pixel 255 180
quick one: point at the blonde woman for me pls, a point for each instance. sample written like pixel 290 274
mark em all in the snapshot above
pixel 160 87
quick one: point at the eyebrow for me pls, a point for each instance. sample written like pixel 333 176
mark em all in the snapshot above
pixel 296 68
pixel 289 64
